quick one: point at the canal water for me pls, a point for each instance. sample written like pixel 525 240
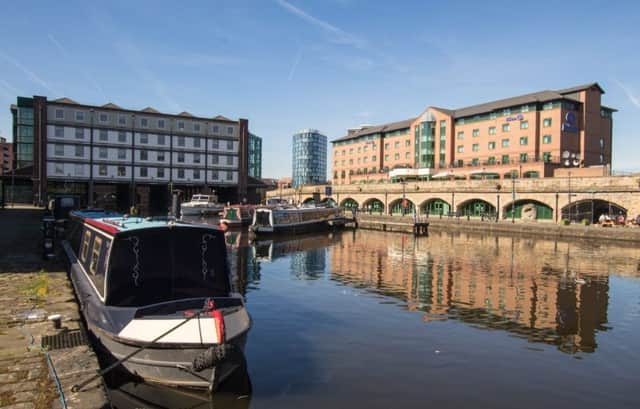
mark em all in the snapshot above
pixel 367 319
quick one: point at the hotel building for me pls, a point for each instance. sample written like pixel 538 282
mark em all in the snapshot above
pixel 524 136
pixel 136 157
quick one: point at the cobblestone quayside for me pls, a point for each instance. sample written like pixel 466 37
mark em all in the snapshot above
pixel 30 290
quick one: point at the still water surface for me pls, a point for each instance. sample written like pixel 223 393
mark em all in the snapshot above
pixel 366 319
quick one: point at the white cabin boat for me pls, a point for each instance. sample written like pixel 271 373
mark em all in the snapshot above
pixel 201 205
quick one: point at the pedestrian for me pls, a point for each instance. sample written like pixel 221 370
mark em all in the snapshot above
pixel 620 219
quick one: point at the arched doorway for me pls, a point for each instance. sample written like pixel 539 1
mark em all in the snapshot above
pixel 527 209
pixel 308 200
pixel 435 207
pixel 400 207
pixel 591 209
pixel 373 206
pixel 328 201
pixel 349 204
pixel 477 208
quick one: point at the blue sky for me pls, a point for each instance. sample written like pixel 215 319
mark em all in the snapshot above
pixel 330 65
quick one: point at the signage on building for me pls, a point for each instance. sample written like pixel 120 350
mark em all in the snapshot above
pixel 327 190
pixel 570 123
pixel 518 117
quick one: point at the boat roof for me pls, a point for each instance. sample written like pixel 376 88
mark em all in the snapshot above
pixel 114 223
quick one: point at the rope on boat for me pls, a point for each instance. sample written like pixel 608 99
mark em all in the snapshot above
pixel 54 375
pixel 79 386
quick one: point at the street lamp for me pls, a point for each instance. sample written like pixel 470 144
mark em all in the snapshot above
pixel 570 160
pixel 513 196
pixel 404 203
pixel 498 187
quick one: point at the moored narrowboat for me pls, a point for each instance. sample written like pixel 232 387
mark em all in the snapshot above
pixel 161 287
pixel 293 219
pixel 237 215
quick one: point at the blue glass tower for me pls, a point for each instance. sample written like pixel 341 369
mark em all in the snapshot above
pixel 309 158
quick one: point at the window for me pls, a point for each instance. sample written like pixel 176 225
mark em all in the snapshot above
pixel 196 142
pixel 79 151
pixel 492 160
pixel 59 169
pixel 524 140
pixel 59 132
pixel 102 152
pixel 180 140
pixel 524 124
pixel 161 123
pixel 546 122
pixel 475 147
pixel 396 156
pixel 216 129
pixel 396 145
pixel 122 171
pixel 492 115
pixel 492 130
pixel 229 160
pixel 475 133
pixel 373 158
pixel 144 155
pixel 95 255
pixel 350 150
pixel 505 159
pixel 215 144
pixel 359 149
pixel 475 161
pixel 505 143
pixel 601 143
pixel 351 161
pixel 229 131
pixel 196 174
pixel 546 139
pixel 524 157
pixel 59 114
pixel 406 143
pixel 103 117
pixel 196 158
pixel 525 108
pixel 460 149
pixel 59 150
pixel 407 155
pixel 547 106
pixel 214 175
pixel 79 133
pixel 144 138
pixel 160 156
pixel 102 170
pixel 144 172
pixel 506 111
pixel 160 139
pixel 181 125
pixel 79 116
pixel 196 128
pixel 122 136
pixel 181 157
pixel 386 146
pixel 386 157
pixel 229 175
pixel 160 172
pixel 461 135
pixel 342 162
pixel 122 120
pixel 122 153
pixel 84 247
pixel 601 158
pixel 103 135
pixel 78 170
pixel 180 173
pixel 546 156
pixel 506 127
pixel 492 145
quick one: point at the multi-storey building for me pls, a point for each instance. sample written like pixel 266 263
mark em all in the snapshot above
pixel 309 157
pixel 255 156
pixel 6 156
pixel 136 156
pixel 523 136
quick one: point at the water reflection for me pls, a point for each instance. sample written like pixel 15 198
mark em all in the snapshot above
pixel 544 291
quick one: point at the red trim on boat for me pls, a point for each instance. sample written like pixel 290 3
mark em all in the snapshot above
pixel 102 226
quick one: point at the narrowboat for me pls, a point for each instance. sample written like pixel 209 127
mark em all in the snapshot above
pixel 237 215
pixel 293 219
pixel 160 287
pixel 201 205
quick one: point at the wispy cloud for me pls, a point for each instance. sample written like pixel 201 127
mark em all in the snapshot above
pixel 295 64
pixel 337 35
pixel 9 89
pixel 632 97
pixel 30 74
pixel 90 78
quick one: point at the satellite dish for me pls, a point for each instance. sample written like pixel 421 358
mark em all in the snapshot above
pixel 567 162
pixel 576 162
pixel 566 154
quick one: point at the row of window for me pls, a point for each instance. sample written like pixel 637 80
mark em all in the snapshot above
pixel 546 123
pixel 103 136
pixel 525 108
pixel 524 140
pixel 79 170
pixel 143 155
pixel 144 122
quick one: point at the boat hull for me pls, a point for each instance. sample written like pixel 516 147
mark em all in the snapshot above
pixel 196 211
pixel 320 225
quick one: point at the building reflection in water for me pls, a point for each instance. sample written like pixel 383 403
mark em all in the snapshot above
pixel 544 291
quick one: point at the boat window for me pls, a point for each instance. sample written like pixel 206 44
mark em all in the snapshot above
pixel 164 264
pixel 84 248
pixel 95 255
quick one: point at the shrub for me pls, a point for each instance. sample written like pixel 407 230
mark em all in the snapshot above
pixel 565 222
pixel 586 222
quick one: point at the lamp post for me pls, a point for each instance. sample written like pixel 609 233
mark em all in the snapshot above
pixel 498 187
pixel 404 203
pixel 570 160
